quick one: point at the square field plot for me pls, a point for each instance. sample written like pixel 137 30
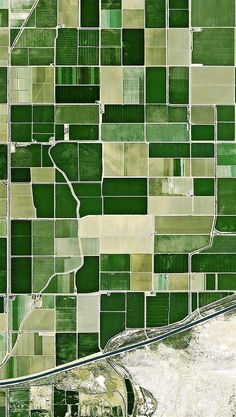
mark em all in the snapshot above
pixel 213 47
pixel 213 85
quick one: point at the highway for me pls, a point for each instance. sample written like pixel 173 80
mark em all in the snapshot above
pixel 105 355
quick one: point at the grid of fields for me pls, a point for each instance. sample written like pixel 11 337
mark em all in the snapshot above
pixel 50 401
pixel 117 171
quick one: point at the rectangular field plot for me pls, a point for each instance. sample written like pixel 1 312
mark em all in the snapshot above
pixel 135 310
pixel 158 310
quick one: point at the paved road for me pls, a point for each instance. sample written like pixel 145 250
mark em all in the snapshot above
pixel 105 355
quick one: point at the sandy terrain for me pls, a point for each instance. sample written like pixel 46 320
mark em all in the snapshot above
pixel 192 376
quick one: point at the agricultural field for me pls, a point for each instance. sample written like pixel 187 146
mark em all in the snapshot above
pixel 97 389
pixel 117 175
